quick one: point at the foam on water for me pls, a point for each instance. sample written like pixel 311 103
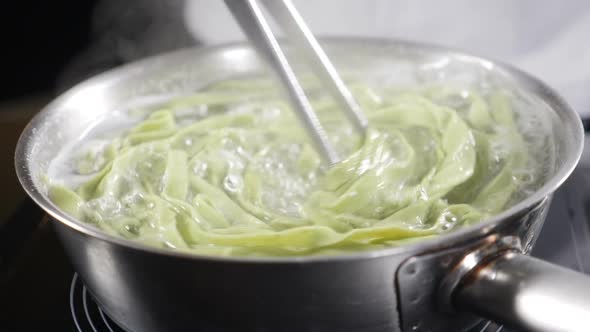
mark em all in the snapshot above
pixel 63 168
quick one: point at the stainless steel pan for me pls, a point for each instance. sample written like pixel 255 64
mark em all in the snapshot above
pixel 442 284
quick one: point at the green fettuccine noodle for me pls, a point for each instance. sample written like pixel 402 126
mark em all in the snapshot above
pixel 245 179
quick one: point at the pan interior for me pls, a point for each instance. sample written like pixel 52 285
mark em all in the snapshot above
pixel 150 82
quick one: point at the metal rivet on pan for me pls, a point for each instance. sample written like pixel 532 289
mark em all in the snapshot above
pixel 411 268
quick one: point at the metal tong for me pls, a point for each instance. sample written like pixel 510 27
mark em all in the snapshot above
pixel 249 15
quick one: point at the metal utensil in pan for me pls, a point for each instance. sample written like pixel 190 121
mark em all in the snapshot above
pixel 249 15
pixel 438 284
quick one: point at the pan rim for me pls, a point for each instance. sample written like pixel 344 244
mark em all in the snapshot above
pixel 558 105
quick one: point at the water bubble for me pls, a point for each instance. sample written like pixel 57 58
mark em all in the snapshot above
pixel 242 152
pixel 188 141
pixel 448 221
pixel 106 206
pixel 267 165
pixel 233 183
pixel 446 226
pixel 200 168
pixel 523 177
pixel 133 229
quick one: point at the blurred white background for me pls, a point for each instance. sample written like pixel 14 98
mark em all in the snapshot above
pixel 550 39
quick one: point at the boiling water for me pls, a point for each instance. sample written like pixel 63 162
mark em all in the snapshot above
pixel 285 187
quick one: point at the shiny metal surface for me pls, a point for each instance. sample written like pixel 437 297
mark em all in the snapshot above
pixel 146 292
pixel 249 15
pixel 528 294
pixel 425 282
pixel 153 289
pixel 490 248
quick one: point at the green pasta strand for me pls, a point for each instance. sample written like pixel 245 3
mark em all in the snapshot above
pixel 243 179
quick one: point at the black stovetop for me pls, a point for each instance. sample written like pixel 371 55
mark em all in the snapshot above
pixel 39 291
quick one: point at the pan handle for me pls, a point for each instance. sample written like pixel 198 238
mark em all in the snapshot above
pixel 526 293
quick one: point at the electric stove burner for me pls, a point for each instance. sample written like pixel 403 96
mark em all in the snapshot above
pixel 86 314
pixel 89 317
pixel 488 327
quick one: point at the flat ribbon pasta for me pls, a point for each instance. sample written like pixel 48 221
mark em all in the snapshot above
pixel 245 179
